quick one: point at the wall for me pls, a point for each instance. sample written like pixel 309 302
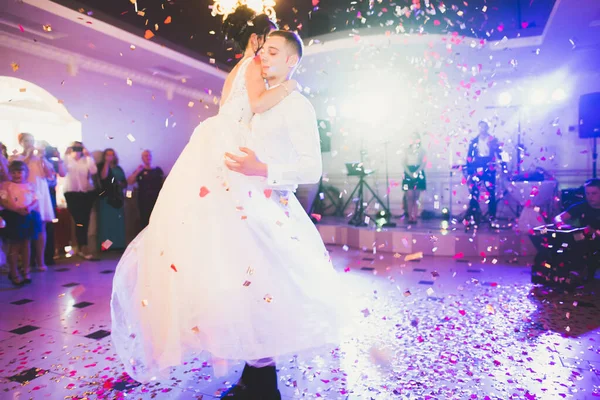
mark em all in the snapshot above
pixel 109 110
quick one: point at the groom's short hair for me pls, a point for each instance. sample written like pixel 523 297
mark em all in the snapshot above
pixel 291 39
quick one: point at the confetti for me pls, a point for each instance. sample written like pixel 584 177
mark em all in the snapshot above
pixel 144 303
pixel 268 298
pixel 47 28
pixel 14 66
pixel 106 245
pixel 268 193
pixel 129 82
pixel 130 137
pixel 196 330
pixel 430 291
pixel 247 283
pixel 168 20
pixel 204 191
pixel 173 267
pixel 414 256
pixel 148 34
pixel 316 216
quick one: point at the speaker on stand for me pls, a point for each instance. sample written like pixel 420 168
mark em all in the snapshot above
pixel 589 123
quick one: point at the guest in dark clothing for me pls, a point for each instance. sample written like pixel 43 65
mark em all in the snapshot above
pixel 111 213
pixel 150 180
pixel 586 212
pixel 482 158
pixel 53 156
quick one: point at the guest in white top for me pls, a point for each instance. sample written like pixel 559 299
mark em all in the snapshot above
pixel 80 193
pixel 40 170
pixel 414 181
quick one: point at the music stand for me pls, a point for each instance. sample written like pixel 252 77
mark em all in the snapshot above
pixel 319 204
pixel 358 218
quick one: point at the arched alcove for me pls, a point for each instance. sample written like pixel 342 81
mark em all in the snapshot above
pixel 26 107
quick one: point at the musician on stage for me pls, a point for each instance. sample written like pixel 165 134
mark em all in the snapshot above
pixel 482 158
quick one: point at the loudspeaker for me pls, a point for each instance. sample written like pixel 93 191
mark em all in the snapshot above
pixel 324 135
pixel 589 115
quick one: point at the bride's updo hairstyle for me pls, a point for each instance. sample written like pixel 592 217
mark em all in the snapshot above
pixel 242 23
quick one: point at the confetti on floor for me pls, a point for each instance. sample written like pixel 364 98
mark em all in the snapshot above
pixel 509 340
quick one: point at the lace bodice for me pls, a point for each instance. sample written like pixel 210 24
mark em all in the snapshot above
pixel 237 105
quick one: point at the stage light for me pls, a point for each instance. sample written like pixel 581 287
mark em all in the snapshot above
pixel 559 95
pixel 504 99
pixel 538 96
pixel 226 7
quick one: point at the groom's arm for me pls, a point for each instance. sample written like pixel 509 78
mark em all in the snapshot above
pixel 301 123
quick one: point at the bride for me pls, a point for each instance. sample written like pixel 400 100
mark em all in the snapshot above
pixel 212 271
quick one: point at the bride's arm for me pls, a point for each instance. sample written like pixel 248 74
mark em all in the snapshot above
pixel 260 98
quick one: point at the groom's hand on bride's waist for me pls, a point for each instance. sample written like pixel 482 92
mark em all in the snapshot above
pixel 247 164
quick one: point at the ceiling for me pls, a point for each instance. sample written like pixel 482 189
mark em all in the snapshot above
pixel 196 32
pixel 77 33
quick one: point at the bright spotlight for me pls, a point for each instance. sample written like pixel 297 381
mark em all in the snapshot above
pixel 559 95
pixel 537 96
pixel 504 99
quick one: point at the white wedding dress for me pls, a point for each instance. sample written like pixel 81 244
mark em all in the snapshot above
pixel 225 266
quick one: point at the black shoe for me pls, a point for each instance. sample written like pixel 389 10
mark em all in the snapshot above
pixel 15 280
pixel 238 391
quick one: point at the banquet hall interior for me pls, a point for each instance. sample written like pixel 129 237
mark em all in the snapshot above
pixel 470 282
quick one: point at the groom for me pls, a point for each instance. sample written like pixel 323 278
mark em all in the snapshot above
pixel 286 139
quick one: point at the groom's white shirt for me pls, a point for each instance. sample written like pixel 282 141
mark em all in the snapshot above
pixel 286 138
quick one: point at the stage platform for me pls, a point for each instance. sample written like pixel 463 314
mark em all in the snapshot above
pixel 430 238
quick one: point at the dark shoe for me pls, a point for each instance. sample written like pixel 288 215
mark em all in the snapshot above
pixel 238 391
pixel 15 280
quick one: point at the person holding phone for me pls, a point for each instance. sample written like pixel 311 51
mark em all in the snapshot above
pixel 80 193
pixel 40 170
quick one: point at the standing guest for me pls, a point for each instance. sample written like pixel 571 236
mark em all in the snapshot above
pixel 149 180
pixel 79 193
pixel 3 163
pixel 53 156
pixel 111 216
pixel 40 170
pixel 414 176
pixel 23 220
